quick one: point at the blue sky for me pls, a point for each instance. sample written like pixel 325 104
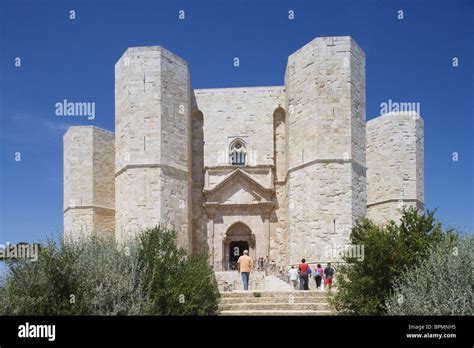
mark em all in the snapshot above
pixel 408 60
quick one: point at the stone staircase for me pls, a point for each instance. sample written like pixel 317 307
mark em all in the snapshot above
pixel 273 283
pixel 240 302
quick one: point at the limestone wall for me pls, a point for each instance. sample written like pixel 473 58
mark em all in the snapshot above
pixel 104 182
pixel 320 210
pixel 306 145
pixel 394 164
pixel 78 223
pixel 325 95
pixel 88 182
pixel 247 113
pixel 279 226
pixel 199 227
pixel 279 217
pixel 153 143
pixel 103 168
pixel 239 112
pixel 78 150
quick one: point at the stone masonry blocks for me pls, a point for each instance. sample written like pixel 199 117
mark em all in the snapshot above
pixel 153 143
pixel 89 188
pixel 394 164
pixel 325 95
pixel 313 164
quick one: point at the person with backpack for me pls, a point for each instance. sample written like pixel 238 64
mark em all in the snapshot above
pixel 328 273
pixel 318 275
pixel 309 272
pixel 303 272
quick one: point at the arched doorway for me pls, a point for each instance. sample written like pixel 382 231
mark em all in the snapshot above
pixel 236 249
pixel 238 238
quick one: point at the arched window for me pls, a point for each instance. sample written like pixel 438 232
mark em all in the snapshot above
pixel 237 153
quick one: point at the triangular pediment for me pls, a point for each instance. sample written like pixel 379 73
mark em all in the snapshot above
pixel 239 188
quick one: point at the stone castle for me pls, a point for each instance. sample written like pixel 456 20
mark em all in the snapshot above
pixel 283 171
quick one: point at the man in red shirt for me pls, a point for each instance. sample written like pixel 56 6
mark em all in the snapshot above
pixel 303 272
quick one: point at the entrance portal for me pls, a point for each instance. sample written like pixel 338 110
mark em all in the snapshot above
pixel 238 238
pixel 236 249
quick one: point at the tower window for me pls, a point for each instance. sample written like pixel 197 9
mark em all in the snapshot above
pixel 237 154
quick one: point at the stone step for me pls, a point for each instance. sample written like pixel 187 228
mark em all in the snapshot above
pixel 274 303
pixel 275 312
pixel 274 283
pixel 296 293
pixel 273 299
pixel 274 306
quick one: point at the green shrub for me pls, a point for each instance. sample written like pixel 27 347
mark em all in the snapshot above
pixel 86 277
pixel 94 277
pixel 441 284
pixel 363 286
pixel 177 285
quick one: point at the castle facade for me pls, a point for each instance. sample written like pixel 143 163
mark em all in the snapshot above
pixel 283 171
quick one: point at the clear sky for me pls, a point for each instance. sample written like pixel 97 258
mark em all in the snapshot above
pixel 408 60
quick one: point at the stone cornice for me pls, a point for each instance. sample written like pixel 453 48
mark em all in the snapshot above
pixel 393 200
pixel 232 167
pixel 152 165
pixel 241 173
pixel 325 160
pixel 89 207
pixel 253 204
pixel 265 207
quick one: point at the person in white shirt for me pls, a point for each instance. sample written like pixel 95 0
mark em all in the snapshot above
pixel 293 274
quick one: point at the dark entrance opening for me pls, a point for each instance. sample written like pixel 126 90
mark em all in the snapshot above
pixel 236 249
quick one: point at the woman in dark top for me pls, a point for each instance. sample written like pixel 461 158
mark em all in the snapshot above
pixel 318 275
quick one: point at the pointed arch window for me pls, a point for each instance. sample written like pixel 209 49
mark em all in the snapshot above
pixel 237 153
